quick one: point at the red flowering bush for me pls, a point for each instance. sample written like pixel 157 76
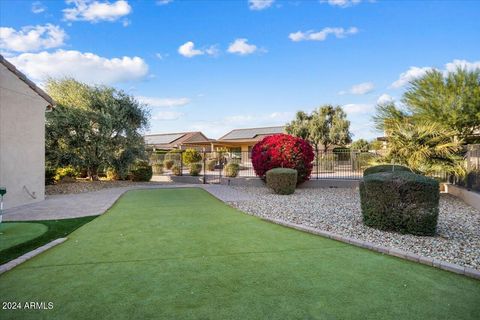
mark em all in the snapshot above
pixel 283 151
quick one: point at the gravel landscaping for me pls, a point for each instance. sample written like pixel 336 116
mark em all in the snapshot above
pixel 338 211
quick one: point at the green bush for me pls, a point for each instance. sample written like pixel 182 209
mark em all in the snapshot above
pixel 282 180
pixel 112 174
pixel 211 164
pixel 385 168
pixel 195 169
pixel 400 201
pixel 66 174
pixel 362 160
pixel 168 164
pixel 191 156
pixel 49 176
pixel 157 168
pixel 231 170
pixel 142 172
pixel 176 170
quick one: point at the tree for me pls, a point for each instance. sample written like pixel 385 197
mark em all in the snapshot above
pixel 93 127
pixel 424 146
pixel 325 126
pixel 361 145
pixel 452 100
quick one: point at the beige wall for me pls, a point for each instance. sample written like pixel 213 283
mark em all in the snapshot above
pixel 22 140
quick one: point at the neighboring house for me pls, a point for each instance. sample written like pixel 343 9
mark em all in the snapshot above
pixel 22 136
pixel 181 140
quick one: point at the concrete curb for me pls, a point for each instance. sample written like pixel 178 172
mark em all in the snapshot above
pixel 15 262
pixel 469 272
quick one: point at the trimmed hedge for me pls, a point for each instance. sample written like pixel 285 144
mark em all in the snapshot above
pixel 195 169
pixel 385 168
pixel 400 201
pixel 143 172
pixel 232 169
pixel 282 180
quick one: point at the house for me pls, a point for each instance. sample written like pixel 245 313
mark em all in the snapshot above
pixel 22 136
pixel 180 140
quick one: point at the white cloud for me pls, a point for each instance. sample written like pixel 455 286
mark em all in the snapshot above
pixel 384 99
pixel 463 64
pixel 358 108
pixel 95 11
pixel 409 75
pixel 361 88
pixel 38 7
pixel 32 38
pixel 126 22
pixel 260 4
pixel 164 102
pixel 418 72
pixel 87 67
pixel 241 47
pixel 167 115
pixel 321 35
pixel 188 50
pixel 163 2
pixel 341 3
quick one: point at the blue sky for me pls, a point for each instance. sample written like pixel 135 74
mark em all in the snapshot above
pixel 217 65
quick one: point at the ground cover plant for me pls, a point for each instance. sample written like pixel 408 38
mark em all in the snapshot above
pixel 182 254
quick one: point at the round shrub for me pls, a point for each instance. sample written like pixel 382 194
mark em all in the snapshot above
pixel 157 168
pixel 66 174
pixel 385 168
pixel 142 172
pixel 282 180
pixel 195 169
pixel 191 156
pixel 231 170
pixel 211 164
pixel 283 151
pixel 400 201
pixel 176 170
pixel 112 174
pixel 168 164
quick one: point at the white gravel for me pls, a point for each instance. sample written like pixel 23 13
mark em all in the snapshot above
pixel 338 210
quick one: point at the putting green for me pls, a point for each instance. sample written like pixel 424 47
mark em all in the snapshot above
pixel 182 254
pixel 13 233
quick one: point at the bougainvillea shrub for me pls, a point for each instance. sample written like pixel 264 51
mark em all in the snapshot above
pixel 283 151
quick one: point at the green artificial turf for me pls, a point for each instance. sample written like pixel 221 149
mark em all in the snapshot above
pixel 181 254
pixel 12 233
pixel 52 229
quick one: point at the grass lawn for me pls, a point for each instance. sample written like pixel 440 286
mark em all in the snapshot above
pixel 181 254
pixel 19 238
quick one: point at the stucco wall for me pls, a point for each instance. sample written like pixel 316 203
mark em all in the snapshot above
pixel 22 140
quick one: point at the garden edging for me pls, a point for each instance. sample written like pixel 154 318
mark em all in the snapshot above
pixel 469 272
pixel 15 262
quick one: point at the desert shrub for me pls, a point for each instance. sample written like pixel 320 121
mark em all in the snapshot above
pixel 211 164
pixel 157 168
pixel 231 170
pixel 142 172
pixel 112 174
pixel 195 169
pixel 400 201
pixel 191 156
pixel 283 151
pixel 385 168
pixel 362 160
pixel 168 164
pixel 49 175
pixel 282 180
pixel 176 170
pixel 66 174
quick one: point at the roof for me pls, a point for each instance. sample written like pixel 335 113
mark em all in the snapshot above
pixel 30 83
pixel 171 140
pixel 252 133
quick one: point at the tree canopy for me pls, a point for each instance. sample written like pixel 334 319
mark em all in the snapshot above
pixel 93 127
pixel 361 145
pixel 325 126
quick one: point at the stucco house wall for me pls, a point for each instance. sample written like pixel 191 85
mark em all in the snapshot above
pixel 22 140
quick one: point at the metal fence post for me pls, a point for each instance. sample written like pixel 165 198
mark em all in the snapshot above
pixel 316 160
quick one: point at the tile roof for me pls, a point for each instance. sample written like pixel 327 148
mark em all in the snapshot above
pixel 30 83
pixel 252 133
